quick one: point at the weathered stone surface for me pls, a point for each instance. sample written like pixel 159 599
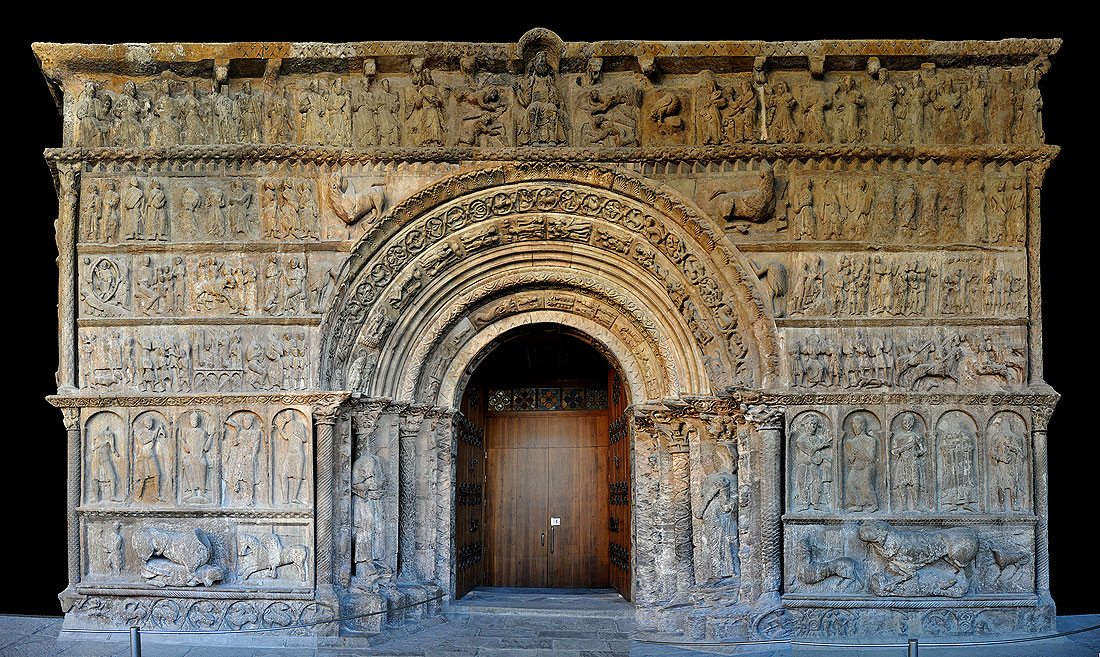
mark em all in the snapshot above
pixel 815 265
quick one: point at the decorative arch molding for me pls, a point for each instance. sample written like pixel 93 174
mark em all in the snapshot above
pixel 581 293
pixel 576 214
pixel 480 344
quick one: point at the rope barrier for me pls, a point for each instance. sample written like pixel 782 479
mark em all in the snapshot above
pixel 829 644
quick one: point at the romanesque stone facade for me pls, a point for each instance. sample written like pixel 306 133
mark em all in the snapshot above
pixel 814 264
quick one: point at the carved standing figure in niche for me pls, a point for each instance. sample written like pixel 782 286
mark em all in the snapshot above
pixel 337 115
pixel 542 120
pixel 130 111
pixel 112 218
pixel 291 465
pixel 781 111
pixel 718 511
pixel 1008 466
pixel 813 464
pixel 368 487
pixel 240 199
pixel 860 456
pixel 386 111
pixel 149 436
pixel 104 462
pixel 244 460
pixel 92 132
pixel 195 444
pixel 848 100
pixel 91 207
pixel 908 451
pixel 364 129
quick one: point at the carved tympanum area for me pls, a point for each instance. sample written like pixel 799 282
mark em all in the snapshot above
pixel 814 266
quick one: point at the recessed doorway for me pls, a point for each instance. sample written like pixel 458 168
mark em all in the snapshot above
pixel 554 507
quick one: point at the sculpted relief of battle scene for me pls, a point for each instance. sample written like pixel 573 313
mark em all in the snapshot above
pixel 812 268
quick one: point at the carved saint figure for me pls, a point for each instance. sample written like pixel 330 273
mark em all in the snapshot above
pixel 149 436
pixel 244 460
pixel 718 512
pixel 1007 464
pixel 156 211
pixel 195 444
pixel 860 455
pixel 104 462
pixel 368 487
pixel 542 121
pixel 713 102
pixel 291 465
pixel 908 473
pixel 813 464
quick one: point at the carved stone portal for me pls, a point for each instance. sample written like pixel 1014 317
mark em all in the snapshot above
pixel 812 264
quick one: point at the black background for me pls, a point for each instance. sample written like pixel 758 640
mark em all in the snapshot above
pixel 32 457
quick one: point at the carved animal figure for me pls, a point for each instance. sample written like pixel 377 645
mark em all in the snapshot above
pixel 754 204
pixel 258 555
pixel 812 569
pixel 175 558
pixel 352 205
pixel 906 552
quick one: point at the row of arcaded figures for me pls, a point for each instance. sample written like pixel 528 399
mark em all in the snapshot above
pixel 976 105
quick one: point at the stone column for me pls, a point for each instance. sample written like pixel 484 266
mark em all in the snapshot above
pixel 325 410
pixel 768 421
pixel 71 417
pixel 365 418
pixel 443 477
pixel 65 233
pixel 411 421
pixel 1040 416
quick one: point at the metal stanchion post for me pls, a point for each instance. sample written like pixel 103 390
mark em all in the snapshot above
pixel 912 648
pixel 135 642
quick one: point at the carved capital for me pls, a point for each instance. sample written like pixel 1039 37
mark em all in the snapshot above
pixel 1040 417
pixel 366 413
pixel 413 418
pixel 71 418
pixel 327 407
pixel 764 417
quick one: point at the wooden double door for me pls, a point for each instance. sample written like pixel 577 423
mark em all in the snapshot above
pixel 546 515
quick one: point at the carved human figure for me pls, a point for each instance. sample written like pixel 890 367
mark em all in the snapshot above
pixel 386 111
pixel 91 212
pixel 861 457
pixel 337 115
pixel 240 200
pixel 1008 466
pixel 908 450
pixel 847 102
pixel 111 543
pixel 129 111
pixel 195 445
pixel 216 220
pixel 112 218
pixel 244 459
pixel 133 205
pixel 542 119
pixel 290 466
pixel 361 104
pixel 368 487
pixel 89 108
pixel 886 97
pixel 279 112
pixel 781 111
pixel 311 110
pixel 105 460
pixel 193 123
pixel 424 108
pixel 813 464
pixel 718 511
pixel 149 437
pixel 713 102
pixel 156 211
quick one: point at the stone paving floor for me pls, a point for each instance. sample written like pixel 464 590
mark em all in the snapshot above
pixel 513 623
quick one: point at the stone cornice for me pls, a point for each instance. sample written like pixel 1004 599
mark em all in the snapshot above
pixel 160 399
pixel 335 157
pixel 59 59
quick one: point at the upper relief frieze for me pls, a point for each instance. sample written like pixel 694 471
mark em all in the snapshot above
pixel 614 95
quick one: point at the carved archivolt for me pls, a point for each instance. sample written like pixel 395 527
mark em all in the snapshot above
pixel 475 220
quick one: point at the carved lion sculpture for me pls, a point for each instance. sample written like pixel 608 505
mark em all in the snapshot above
pixel 921 563
pixel 754 204
pixel 352 205
pixel 174 558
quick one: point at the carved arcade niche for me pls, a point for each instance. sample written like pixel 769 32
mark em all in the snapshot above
pixel 814 264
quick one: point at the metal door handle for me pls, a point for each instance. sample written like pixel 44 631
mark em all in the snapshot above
pixel 544 538
pixel 551 540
